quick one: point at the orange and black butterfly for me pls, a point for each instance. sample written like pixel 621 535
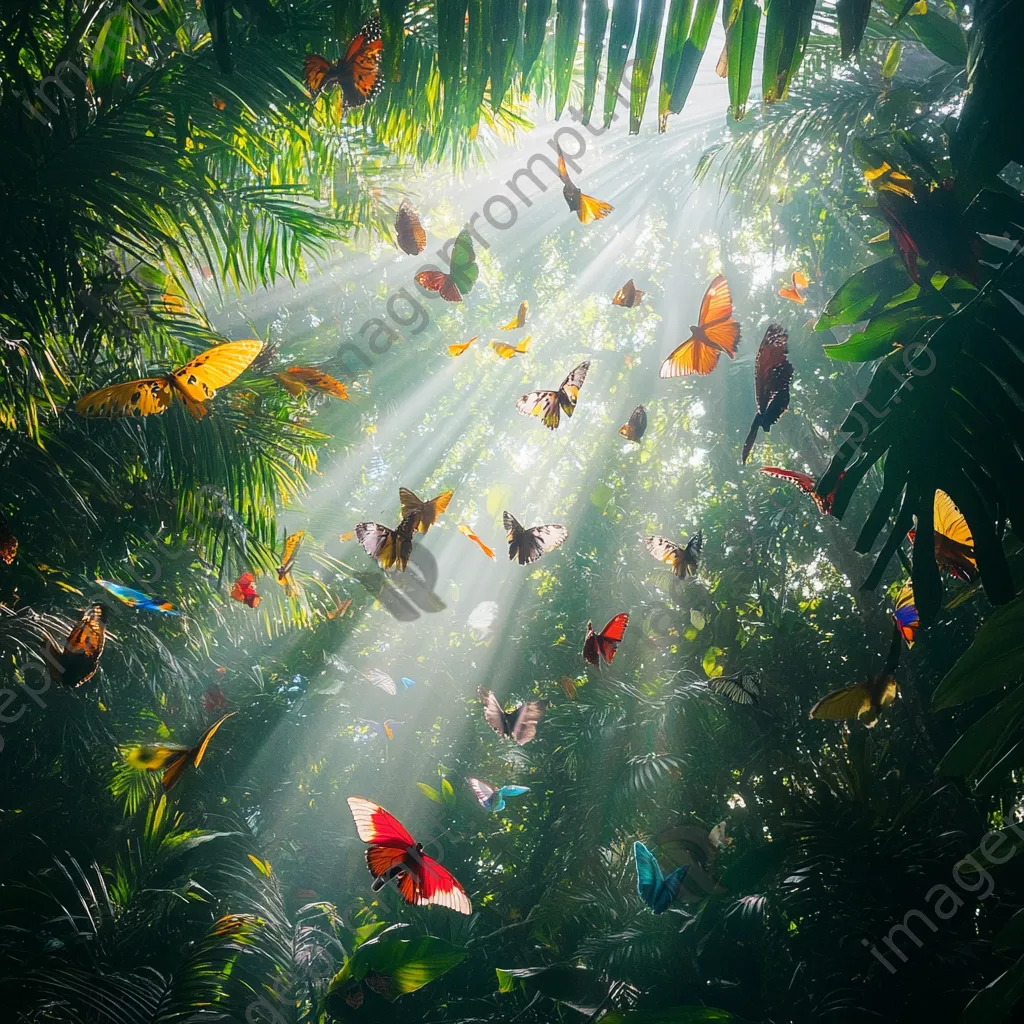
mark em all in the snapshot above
pixel 8 542
pixel 954 543
pixel 806 484
pixel 391 548
pixel 76 664
pixel 628 295
pixel 683 561
pixel 519 320
pixel 716 332
pixel 795 293
pixel 863 700
pixel 636 427
pixel 587 208
pixel 423 513
pixel 528 545
pixel 173 758
pixel 550 404
pixel 298 379
pixel 284 570
pixel 244 590
pixel 602 646
pixel 507 351
pixel 773 374
pixel 195 383
pixel 357 73
pixel 412 239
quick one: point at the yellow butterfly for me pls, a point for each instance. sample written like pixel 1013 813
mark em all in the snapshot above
pixel 864 700
pixel 519 319
pixel 173 758
pixel 298 379
pixel 508 351
pixel 195 384
pixel 457 350
pixel 284 570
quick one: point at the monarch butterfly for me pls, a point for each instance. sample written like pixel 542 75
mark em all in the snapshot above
pixel 457 350
pixel 795 293
pixel 80 657
pixel 195 383
pixel 683 561
pixel 528 545
pixel 510 351
pixel 716 332
pixel 423 513
pixel 173 758
pixel 587 208
pixel 520 724
pixel 357 73
pixel 412 239
pixel 773 374
pixel 628 295
pixel 284 570
pixel 298 379
pixel 602 646
pixel 463 272
pixel 635 428
pixel 550 404
pixel 519 320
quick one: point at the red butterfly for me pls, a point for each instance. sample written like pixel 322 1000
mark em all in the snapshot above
pixel 806 484
pixel 357 73
pixel 245 590
pixel 603 644
pixel 773 373
pixel 394 854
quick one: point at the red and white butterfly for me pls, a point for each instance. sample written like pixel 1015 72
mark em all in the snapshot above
pixel 603 644
pixel 395 856
pixel 357 73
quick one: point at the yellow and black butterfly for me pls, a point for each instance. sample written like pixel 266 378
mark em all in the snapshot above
pixel 284 570
pixel 519 320
pixel 587 208
pixel 195 383
pixel 954 543
pixel 8 542
pixel 508 351
pixel 863 700
pixel 173 758
pixel 683 561
pixel 391 548
pixel 628 295
pixel 423 513
pixel 550 404
pixel 76 664
pixel 296 380
pixel 635 428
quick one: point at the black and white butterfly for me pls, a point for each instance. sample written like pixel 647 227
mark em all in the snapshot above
pixel 529 545
pixel 744 687
pixel 520 724
pixel 549 405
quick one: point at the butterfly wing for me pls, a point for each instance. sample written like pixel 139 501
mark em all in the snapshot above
pixel 467 532
pixel 375 825
pixel 174 769
pixel 244 590
pixel 954 544
pixel 665 551
pixel 292 544
pixel 317 71
pixel 504 350
pixel 693 356
pixel 691 555
pixel 591 209
pixel 741 687
pixel 379 678
pixel 717 302
pixel 390 727
pixel 408 683
pixel 362 80
pixel 199 752
pixel 412 239
pixel 80 658
pixel 635 428
pixel 309 378
pixel 424 513
pixel 848 703
pixel 543 404
pixel 627 295
pixel 464 269
pixel 440 282
pixel 513 791
pixel 649 877
pixel 146 397
pixel 457 350
pixel 569 390
pixel 379 542
pixel 519 320
pixel 199 379
pixel 539 540
pixel 494 713
pixel 427 883
pixel 611 636
pixel 905 613
pixel 773 374
pixel 484 792
pixel 802 480
pixel 523 721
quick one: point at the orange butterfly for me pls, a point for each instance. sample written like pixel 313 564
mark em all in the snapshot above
pixel 296 380
pixel 412 239
pixel 284 570
pixel 796 292
pixel 173 758
pixel 76 664
pixel 195 383
pixel 244 590
pixel 716 333
pixel 519 319
pixel 467 532
pixel 424 513
pixel 457 350
pixel 357 73
pixel 508 351
pixel 628 295
pixel 587 208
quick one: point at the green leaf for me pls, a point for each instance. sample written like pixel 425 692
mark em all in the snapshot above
pixel 429 792
pixel 900 326
pixel 477 74
pixel 620 39
pixel 601 495
pixel 710 662
pixel 864 294
pixel 995 658
pixel 1010 841
pixel 697 618
pixel 892 60
pixel 787 29
pixel 569 15
pixel 676 31
pixel 392 25
pixel 742 20
pixel 1012 934
pixel 535 24
pixel 693 51
pixel 447 792
pixel 853 20
pixel 676 1015
pixel 594 24
pixel 451 25
pixel 109 52
pixel 996 1001
pixel 943 36
pixel 979 747
pixel 651 16
pixel 577 987
pixel 505 33
pixel 408 964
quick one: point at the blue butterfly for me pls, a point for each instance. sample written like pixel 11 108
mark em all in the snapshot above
pixel 492 799
pixel 136 599
pixel 408 683
pixel 654 888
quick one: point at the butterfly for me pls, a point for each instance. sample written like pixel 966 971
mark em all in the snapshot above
pixel 195 384
pixel 905 614
pixel 412 239
pixel 528 545
pixel 298 379
pixel 482 617
pixel 653 887
pixel 457 350
pixel 284 570
pixel 807 485
pixel 491 798
pixel 635 428
pixel 628 295
pixel 395 856
pixel 744 687
pixel 463 272
pixel 954 543
pixel 357 73
pixel 467 532
pixel 602 645
pixel 796 292
pixel 214 699
pixel 244 589
pixel 78 661
pixel 569 687
pixel 550 404
pixel 773 373
pixel 8 542
pixel 423 513
pixel 136 599
pixel 386 728
pixel 519 320
pixel 718 838
pixel 587 208
pixel 519 724
pixel 391 548
pixel 682 561
pixel 379 678
pixel 508 351
pixel 716 332
pixel 173 758
pixel 863 700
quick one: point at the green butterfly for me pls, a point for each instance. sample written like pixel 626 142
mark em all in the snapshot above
pixel 464 272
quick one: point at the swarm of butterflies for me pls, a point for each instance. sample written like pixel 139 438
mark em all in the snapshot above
pixel 393 855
